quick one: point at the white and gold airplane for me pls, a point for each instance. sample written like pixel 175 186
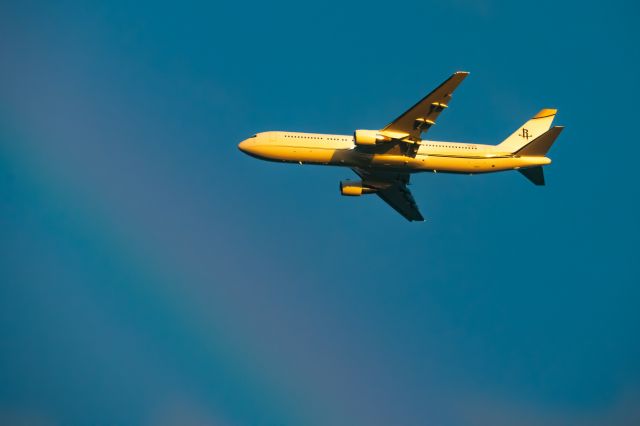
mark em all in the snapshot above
pixel 385 159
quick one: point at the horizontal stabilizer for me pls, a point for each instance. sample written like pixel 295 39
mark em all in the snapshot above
pixel 540 145
pixel 534 174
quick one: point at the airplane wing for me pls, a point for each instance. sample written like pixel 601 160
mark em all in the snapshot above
pixel 392 188
pixel 420 117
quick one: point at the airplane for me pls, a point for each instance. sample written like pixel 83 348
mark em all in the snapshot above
pixel 385 159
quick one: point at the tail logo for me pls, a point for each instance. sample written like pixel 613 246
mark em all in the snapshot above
pixel 525 134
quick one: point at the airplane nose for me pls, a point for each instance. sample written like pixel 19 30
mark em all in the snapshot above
pixel 251 146
pixel 244 146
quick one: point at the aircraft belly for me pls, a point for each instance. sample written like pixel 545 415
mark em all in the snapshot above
pixel 313 155
pixel 467 164
pixel 295 154
pixel 395 161
pixel 452 164
pixel 439 163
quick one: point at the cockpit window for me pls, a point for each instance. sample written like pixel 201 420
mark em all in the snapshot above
pixel 254 136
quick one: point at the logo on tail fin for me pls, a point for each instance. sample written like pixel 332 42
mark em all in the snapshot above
pixel 525 134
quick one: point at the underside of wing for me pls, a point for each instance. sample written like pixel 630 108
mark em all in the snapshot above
pixel 392 188
pixel 420 117
pixel 400 198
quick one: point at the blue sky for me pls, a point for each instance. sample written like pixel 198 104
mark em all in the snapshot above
pixel 153 274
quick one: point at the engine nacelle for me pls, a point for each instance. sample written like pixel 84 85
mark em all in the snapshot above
pixel 354 188
pixel 366 137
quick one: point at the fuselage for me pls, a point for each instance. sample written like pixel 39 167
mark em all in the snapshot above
pixel 341 150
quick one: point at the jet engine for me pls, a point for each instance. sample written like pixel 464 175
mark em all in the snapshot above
pixel 355 188
pixel 367 137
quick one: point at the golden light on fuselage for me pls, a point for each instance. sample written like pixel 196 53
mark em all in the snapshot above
pixel 384 159
pixel 340 150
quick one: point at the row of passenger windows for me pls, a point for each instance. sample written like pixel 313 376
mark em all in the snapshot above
pixel 452 146
pixel 316 137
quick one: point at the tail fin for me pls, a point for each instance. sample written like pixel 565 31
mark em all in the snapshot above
pixel 540 145
pixel 530 130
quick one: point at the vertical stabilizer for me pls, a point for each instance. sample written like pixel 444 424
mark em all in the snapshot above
pixel 540 123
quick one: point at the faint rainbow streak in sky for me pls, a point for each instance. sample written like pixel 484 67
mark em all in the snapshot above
pixel 130 288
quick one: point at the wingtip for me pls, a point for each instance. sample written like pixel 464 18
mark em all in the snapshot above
pixel 465 73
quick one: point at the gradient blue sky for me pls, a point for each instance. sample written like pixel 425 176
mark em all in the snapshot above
pixel 153 274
